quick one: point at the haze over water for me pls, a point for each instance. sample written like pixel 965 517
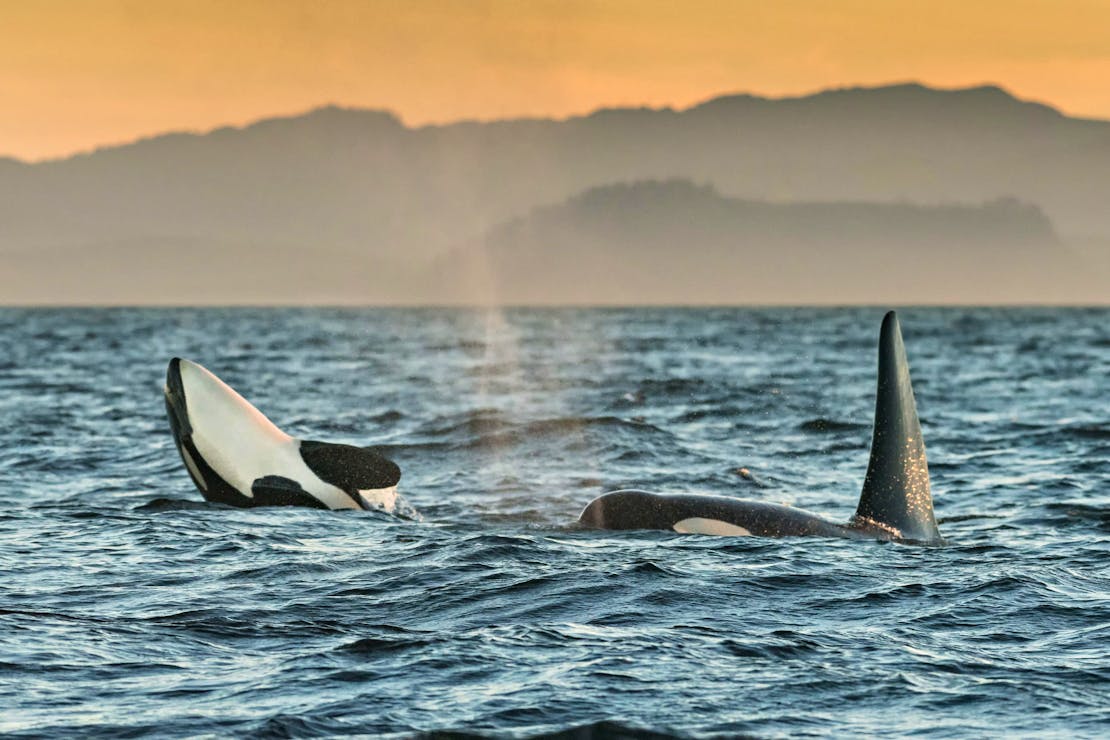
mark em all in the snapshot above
pixel 129 606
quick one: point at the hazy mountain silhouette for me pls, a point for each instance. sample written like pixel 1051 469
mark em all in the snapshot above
pixel 342 205
pixel 677 242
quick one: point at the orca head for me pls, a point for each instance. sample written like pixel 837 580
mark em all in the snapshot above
pixel 221 437
pixel 236 456
pixel 896 493
pixel 200 403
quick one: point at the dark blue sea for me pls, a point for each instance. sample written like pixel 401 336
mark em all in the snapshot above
pixel 129 607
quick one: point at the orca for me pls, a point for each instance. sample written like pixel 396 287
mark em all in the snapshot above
pixel 896 503
pixel 236 456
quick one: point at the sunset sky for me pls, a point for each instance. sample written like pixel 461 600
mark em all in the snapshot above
pixel 75 74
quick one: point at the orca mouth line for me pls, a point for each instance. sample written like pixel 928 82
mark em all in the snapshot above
pixel 177 411
pixel 174 392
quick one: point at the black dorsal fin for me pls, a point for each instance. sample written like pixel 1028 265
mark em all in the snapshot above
pixel 896 491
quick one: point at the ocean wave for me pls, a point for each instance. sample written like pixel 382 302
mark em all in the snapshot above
pixel 131 607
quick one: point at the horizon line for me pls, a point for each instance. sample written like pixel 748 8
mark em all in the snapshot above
pixel 478 306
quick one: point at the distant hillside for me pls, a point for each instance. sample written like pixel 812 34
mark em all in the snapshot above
pixel 351 203
pixel 676 242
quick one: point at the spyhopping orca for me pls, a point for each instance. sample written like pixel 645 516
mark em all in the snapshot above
pixel 896 503
pixel 236 456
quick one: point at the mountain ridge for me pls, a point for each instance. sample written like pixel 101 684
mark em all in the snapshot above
pixel 982 91
pixel 616 244
pixel 360 188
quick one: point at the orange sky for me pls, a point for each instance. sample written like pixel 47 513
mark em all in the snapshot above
pixel 75 74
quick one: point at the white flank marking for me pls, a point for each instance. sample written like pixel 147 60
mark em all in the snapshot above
pixel 698 525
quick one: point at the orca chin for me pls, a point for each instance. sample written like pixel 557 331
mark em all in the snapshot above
pixel 896 503
pixel 236 456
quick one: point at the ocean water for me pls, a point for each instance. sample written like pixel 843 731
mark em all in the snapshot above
pixel 129 607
